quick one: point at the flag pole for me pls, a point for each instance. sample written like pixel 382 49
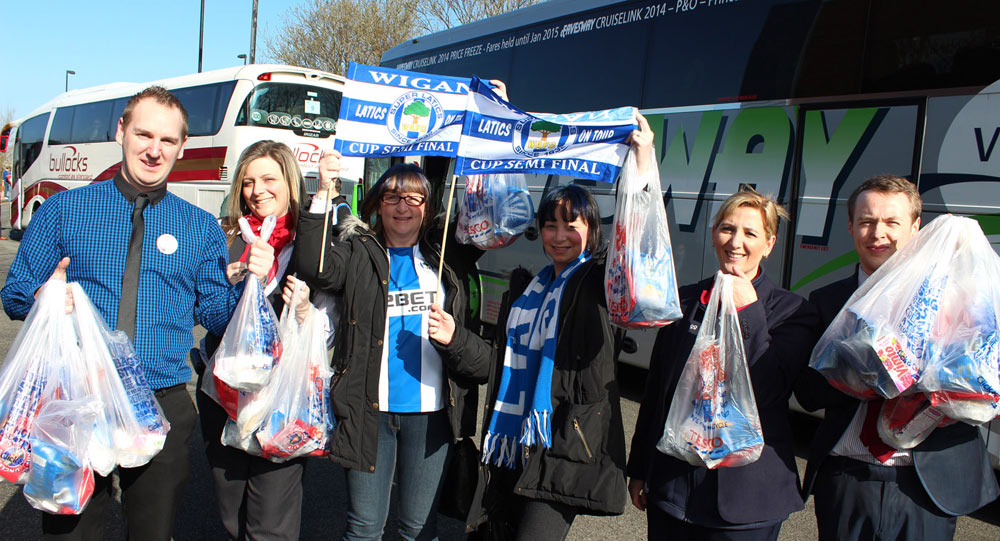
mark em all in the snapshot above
pixel 326 227
pixel 444 235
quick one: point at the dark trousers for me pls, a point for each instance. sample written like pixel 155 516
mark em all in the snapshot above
pixel 856 500
pixel 151 494
pixel 257 499
pixel 544 520
pixel 663 526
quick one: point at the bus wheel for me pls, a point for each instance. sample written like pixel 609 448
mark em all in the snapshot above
pixel 26 219
pixel 15 234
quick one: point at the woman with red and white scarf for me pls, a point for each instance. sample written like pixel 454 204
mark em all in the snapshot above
pixel 257 498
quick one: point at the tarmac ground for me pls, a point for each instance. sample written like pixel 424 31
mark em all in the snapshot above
pixel 323 513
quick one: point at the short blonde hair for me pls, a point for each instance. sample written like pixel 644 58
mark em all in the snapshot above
pixel 159 95
pixel 770 210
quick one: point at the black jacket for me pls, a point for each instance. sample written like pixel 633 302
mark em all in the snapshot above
pixel 585 466
pixel 952 463
pixel 778 334
pixel 356 266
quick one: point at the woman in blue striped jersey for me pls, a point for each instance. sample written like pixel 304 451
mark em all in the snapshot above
pixel 406 369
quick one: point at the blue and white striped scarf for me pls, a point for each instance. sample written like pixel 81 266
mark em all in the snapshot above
pixel 522 413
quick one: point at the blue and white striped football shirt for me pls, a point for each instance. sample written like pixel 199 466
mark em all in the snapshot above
pixel 412 376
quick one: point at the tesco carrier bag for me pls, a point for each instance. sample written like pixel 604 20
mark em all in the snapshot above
pixel 131 428
pixel 640 281
pixel 925 322
pixel 713 420
pixel 290 416
pixel 61 480
pixel 26 375
pixel 250 347
pixel 495 210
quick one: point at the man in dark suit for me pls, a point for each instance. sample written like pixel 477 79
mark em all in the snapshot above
pixel 865 489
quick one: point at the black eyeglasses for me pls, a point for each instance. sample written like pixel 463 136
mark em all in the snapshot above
pixel 411 200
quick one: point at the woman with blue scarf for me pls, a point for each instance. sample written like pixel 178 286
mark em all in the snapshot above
pixel 553 439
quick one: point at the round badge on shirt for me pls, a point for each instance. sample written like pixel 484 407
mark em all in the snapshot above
pixel 166 244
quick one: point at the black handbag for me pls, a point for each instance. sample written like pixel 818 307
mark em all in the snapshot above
pixel 460 480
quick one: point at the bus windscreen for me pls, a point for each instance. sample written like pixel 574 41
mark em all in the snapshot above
pixel 307 110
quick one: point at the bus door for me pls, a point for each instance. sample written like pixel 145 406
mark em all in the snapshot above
pixel 839 146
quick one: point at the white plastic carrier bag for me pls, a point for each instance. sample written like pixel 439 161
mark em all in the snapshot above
pixel 61 480
pixel 300 419
pixel 131 428
pixel 495 210
pixel 925 322
pixel 290 416
pixel 251 346
pixel 26 376
pixel 713 420
pixel 640 280
pixel 60 358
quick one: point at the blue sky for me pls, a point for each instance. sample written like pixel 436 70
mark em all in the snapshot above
pixel 105 41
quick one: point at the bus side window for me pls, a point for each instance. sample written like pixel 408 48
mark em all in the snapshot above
pixel 62 126
pixel 203 106
pixel 117 108
pixel 90 122
pixel 32 134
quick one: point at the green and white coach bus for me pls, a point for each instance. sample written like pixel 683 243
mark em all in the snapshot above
pixel 803 99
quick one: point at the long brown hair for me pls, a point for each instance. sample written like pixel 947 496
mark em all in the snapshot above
pixel 282 155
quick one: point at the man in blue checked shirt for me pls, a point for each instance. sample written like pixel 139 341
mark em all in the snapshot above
pixel 155 284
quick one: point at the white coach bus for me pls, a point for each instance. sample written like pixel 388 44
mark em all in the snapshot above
pixel 70 141
pixel 802 99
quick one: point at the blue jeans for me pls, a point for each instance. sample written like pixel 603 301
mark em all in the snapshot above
pixel 415 447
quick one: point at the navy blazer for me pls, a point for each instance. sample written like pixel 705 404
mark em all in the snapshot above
pixel 778 333
pixel 952 463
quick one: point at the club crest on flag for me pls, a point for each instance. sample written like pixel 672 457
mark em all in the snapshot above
pixel 413 115
pixel 387 112
pixel 537 137
pixel 497 137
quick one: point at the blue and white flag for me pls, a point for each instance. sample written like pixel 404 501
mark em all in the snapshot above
pixel 389 112
pixel 500 138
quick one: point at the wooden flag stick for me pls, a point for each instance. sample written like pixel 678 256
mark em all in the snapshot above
pixel 326 227
pixel 444 236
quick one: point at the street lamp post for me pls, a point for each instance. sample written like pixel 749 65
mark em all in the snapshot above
pixel 201 35
pixel 253 33
pixel 242 57
pixel 68 73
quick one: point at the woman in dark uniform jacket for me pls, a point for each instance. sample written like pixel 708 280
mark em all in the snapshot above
pixel 256 498
pixel 683 501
